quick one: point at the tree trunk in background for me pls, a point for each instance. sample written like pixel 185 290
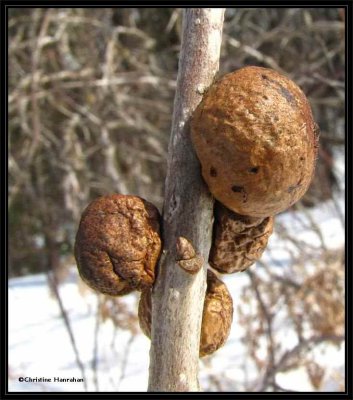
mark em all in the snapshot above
pixel 178 297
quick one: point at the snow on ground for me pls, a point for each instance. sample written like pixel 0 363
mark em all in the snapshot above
pixel 39 345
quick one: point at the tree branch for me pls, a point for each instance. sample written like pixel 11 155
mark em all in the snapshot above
pixel 178 297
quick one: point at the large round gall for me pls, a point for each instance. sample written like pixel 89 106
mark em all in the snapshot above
pixel 257 141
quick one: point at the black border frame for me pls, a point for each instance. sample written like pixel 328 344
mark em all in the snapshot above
pixel 348 5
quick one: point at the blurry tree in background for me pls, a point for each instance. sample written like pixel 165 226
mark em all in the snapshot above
pixel 90 103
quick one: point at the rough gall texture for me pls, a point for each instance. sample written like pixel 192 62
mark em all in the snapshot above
pixel 118 244
pixel 238 241
pixel 217 315
pixel 257 142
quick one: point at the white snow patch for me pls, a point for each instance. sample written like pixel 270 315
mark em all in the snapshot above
pixel 39 344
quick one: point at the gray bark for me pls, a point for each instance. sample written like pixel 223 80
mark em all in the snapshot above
pixel 178 297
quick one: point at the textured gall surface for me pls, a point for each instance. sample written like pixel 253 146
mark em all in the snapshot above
pixel 238 240
pixel 118 244
pixel 256 139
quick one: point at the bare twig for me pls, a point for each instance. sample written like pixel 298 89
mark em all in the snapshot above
pixel 54 285
pixel 96 344
pixel 177 299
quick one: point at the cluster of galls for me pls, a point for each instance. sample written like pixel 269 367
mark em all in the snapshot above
pixel 256 140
